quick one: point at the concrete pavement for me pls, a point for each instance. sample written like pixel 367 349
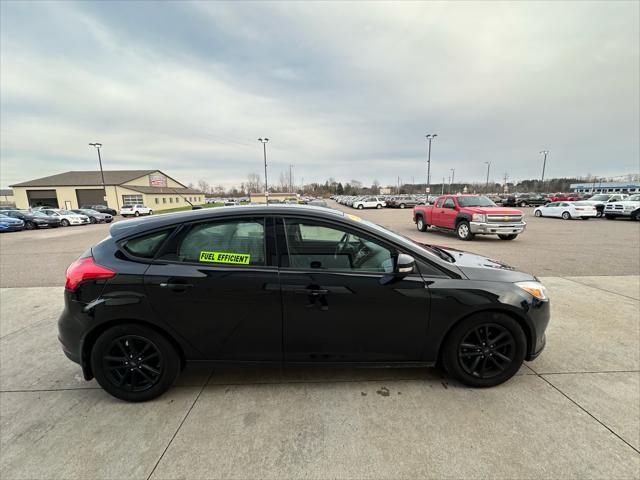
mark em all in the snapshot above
pixel 572 413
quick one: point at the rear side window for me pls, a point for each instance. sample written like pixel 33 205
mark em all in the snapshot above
pixel 227 242
pixel 147 245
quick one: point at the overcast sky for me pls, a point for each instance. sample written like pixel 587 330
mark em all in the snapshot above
pixel 347 90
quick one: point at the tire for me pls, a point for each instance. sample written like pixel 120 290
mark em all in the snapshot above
pixel 402 205
pixel 147 379
pixel 29 225
pixel 510 236
pixel 378 206
pixel 92 220
pixel 64 222
pixel 598 214
pixel 463 230
pixel 538 213
pixel 585 218
pixel 635 216
pixel 523 204
pixel 360 207
pixel 566 216
pixel 480 330
pixel 420 225
pixel 150 212
pixel 137 214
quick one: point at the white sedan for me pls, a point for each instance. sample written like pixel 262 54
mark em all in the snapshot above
pixel 566 210
pixel 66 217
pixel 135 210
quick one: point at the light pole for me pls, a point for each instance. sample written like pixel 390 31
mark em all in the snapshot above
pixel 544 165
pixel 429 137
pixel 266 185
pixel 486 187
pixel 453 174
pixel 98 146
pixel 290 178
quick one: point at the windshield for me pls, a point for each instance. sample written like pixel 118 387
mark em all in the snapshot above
pixel 88 210
pixel 65 212
pixel 36 214
pixel 475 202
pixel 600 197
pixel 406 241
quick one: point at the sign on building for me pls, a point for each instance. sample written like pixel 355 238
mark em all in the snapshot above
pixel 157 180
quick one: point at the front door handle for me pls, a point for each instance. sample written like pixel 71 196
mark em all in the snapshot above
pixel 312 291
pixel 176 287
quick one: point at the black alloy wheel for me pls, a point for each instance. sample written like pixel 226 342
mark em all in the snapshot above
pixel 485 350
pixel 93 220
pixel 29 225
pixel 134 363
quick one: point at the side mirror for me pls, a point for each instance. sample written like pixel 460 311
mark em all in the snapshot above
pixel 405 263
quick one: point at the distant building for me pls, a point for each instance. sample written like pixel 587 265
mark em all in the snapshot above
pixel 279 197
pixel 385 190
pixel 74 189
pixel 606 187
pixel 6 197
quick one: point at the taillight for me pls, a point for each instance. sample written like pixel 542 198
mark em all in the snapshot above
pixel 85 269
pixel 579 208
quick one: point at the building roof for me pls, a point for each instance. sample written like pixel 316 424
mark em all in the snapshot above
pixel 605 185
pixel 86 178
pixel 163 190
pixel 6 192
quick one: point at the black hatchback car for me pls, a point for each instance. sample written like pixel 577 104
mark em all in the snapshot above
pixel 295 285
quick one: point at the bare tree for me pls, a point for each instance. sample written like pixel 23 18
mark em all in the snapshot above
pixel 204 186
pixel 254 183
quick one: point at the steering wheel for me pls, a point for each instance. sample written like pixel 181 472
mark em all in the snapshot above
pixel 341 246
pixel 356 253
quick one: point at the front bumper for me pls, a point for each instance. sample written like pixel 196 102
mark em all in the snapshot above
pixel 487 228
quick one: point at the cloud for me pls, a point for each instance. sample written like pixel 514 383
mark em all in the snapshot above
pixel 342 89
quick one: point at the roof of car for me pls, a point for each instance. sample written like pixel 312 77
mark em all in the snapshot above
pixel 141 224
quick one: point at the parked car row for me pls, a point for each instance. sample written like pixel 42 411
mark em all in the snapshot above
pixel 13 219
pixel 380 201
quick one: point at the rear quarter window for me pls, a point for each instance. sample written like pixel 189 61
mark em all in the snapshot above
pixel 146 246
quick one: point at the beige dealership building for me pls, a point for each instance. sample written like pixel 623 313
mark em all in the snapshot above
pixel 152 188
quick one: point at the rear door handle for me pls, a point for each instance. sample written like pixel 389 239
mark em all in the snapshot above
pixel 312 291
pixel 178 287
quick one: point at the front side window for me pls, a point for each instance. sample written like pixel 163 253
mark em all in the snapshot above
pixel 320 246
pixel 439 203
pixel 226 242
pixel 448 203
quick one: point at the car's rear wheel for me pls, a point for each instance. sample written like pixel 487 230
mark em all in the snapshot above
pixel 538 213
pixel 64 222
pixel 360 207
pixel 485 349
pixel 463 230
pixel 378 206
pixel 29 225
pixel 402 205
pixel 137 214
pixel 92 220
pixel 566 215
pixel 510 236
pixel 420 225
pixel 134 363
pixel 523 204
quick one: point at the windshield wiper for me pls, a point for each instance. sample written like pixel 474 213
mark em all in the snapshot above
pixel 442 253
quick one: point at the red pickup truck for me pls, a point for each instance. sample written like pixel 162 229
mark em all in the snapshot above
pixel 469 215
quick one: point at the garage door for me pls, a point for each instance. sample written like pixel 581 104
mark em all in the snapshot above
pixel 42 198
pixel 90 197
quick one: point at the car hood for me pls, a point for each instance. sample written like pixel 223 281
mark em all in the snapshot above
pixel 479 267
pixel 496 210
pixel 10 220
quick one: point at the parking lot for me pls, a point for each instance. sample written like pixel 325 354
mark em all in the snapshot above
pixel 572 413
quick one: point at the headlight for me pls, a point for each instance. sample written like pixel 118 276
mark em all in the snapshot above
pixel 479 217
pixel 535 289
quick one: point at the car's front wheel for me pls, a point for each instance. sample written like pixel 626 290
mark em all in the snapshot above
pixel 378 206
pixel 420 225
pixel 137 214
pixel 150 212
pixel 566 215
pixel 463 230
pixel 538 213
pixel 360 207
pixel 134 363
pixel 402 205
pixel 64 222
pixel 484 350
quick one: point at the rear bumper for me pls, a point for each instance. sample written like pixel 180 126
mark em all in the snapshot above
pixel 481 228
